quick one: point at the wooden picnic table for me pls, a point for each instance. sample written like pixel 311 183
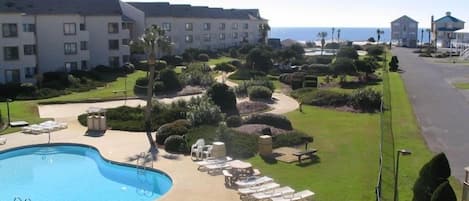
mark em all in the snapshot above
pixel 310 153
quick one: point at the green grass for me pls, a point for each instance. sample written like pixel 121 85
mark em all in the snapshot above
pixel 112 90
pixel 20 110
pixel 461 85
pixel 220 60
pixel 348 152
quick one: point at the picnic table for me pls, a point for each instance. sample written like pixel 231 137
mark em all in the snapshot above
pixel 310 153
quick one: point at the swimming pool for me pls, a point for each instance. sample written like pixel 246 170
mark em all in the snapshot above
pixel 74 173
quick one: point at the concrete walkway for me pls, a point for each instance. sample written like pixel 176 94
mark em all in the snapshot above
pixel 441 109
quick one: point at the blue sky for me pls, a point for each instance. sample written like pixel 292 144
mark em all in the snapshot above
pixel 341 13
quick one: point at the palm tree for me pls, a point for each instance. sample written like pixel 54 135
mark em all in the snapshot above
pixel 421 39
pixel 379 32
pixel 154 41
pixel 264 32
pixel 323 36
pixel 333 31
pixel 429 31
pixel 338 35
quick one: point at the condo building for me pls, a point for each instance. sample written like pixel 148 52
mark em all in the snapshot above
pixel 41 36
pixel 404 32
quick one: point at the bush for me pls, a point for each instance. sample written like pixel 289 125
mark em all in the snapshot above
pixel 259 92
pixel 347 52
pixel 203 57
pixel 289 139
pixel 260 59
pixel 246 74
pixel 431 176
pixel 366 100
pixel 236 63
pixel 238 145
pixel 234 121
pixel 226 67
pixel 234 53
pixel 375 50
pixel 394 64
pixel 324 59
pixel 170 80
pixel 197 75
pixel 224 97
pixel 174 128
pixel 318 69
pixel 203 111
pixel 172 60
pixel 323 97
pixel 332 45
pixel 242 89
pixel 175 144
pixel 277 121
pixel 444 192
pixel 142 81
pixel 285 78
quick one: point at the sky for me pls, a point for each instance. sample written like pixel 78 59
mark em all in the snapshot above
pixel 340 13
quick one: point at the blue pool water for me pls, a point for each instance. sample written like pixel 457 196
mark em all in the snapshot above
pixel 74 173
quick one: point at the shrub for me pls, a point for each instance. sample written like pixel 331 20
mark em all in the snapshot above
pixel 197 75
pixel 172 60
pixel 444 192
pixel 234 53
pixel 242 89
pixel 366 99
pixel 234 121
pixel 226 67
pixel 175 144
pixel 347 52
pixel 285 78
pixel 375 50
pixel 1 119
pixel 170 80
pixel 324 59
pixel 238 145
pixel 433 174
pixel 142 81
pixel 246 74
pixel 260 59
pixel 289 139
pixel 159 87
pixel 236 63
pixel 203 111
pixel 224 97
pixel 394 64
pixel 332 45
pixel 277 121
pixel 203 57
pixel 170 129
pixel 325 98
pixel 318 69
pixel 259 92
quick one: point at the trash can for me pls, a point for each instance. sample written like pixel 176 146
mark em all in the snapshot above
pixel 265 145
pixel 218 150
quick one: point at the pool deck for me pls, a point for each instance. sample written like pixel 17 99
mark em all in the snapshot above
pixel 188 182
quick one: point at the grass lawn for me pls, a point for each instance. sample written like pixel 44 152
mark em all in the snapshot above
pixel 111 90
pixel 461 85
pixel 348 151
pixel 220 60
pixel 20 110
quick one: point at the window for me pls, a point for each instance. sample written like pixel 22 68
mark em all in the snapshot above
pixel 206 37
pixel 246 35
pixel 12 76
pixel 70 48
pixel 189 27
pixel 221 36
pixel 126 58
pixel 83 45
pixel 84 65
pixel 113 28
pixel 235 35
pixel 114 62
pixel 71 66
pixel 29 28
pixel 113 44
pixel 9 30
pixel 412 25
pixel 29 49
pixel 30 71
pixel 246 26
pixel 10 53
pixel 82 27
pixel 222 26
pixel 125 41
pixel 189 39
pixel 206 26
pixel 70 29
pixel 234 26
pixel 167 26
pixel 125 25
pixel 397 24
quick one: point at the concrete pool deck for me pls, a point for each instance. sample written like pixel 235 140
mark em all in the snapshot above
pixel 188 183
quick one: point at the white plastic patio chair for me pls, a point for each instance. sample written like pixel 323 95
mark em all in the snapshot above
pixel 212 169
pixel 256 189
pixel 197 149
pixel 213 161
pixel 276 192
pixel 302 195
pixel 254 181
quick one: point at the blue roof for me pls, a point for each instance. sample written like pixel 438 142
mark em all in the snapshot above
pixel 449 18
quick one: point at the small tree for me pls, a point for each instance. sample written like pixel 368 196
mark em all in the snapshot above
pixel 260 59
pixel 367 66
pixel 224 97
pixel 264 33
pixel 347 52
pixel 433 174
pixel 394 64
pixel 375 50
pixel 342 67
pixel 444 192
pixel 323 36
pixel 310 44
pixel 170 80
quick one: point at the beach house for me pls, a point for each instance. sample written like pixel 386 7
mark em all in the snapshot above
pixel 404 32
pixel 443 30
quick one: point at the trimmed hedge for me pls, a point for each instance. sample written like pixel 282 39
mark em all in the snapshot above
pixel 176 144
pixel 226 67
pixel 259 92
pixel 367 100
pixel 234 121
pixel 178 127
pixel 275 120
pixel 289 139
pixel 246 74
pixel 326 98
pixel 242 89
pixel 203 57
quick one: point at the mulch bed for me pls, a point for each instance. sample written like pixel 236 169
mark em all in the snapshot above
pixel 248 107
pixel 256 129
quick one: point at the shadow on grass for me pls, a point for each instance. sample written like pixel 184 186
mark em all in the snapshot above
pixel 271 158
pixel 309 161
pixel 357 85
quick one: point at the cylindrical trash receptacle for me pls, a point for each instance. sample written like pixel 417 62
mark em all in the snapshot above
pixel 218 150
pixel 89 123
pixel 102 123
pixel 95 122
pixel 265 145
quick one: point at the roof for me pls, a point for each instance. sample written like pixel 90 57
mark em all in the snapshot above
pixel 159 9
pixel 448 18
pixel 405 17
pixel 82 7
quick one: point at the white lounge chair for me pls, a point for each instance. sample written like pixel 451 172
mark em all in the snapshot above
pixel 256 189
pixel 212 161
pixel 3 140
pixel 286 190
pixel 302 195
pixel 253 181
pixel 197 149
pixel 211 169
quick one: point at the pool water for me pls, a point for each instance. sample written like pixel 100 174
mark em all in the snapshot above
pixel 74 173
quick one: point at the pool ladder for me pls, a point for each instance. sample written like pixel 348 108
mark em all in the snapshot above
pixel 142 165
pixel 19 199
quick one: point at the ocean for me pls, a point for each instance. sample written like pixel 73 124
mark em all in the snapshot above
pixel 352 34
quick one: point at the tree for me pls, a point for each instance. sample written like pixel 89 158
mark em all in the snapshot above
pixel 444 192
pixel 153 40
pixel 343 66
pixel 379 32
pixel 259 59
pixel 347 52
pixel 298 50
pixel 323 36
pixel 310 44
pixel 170 80
pixel 264 32
pixel 338 35
pixel 367 66
pixel 224 97
pixel 375 50
pixel 431 176
pixel 333 31
pixel 394 64
pixel 429 31
pixel 371 40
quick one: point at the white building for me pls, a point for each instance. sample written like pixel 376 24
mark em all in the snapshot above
pixel 203 27
pixel 443 29
pixel 404 32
